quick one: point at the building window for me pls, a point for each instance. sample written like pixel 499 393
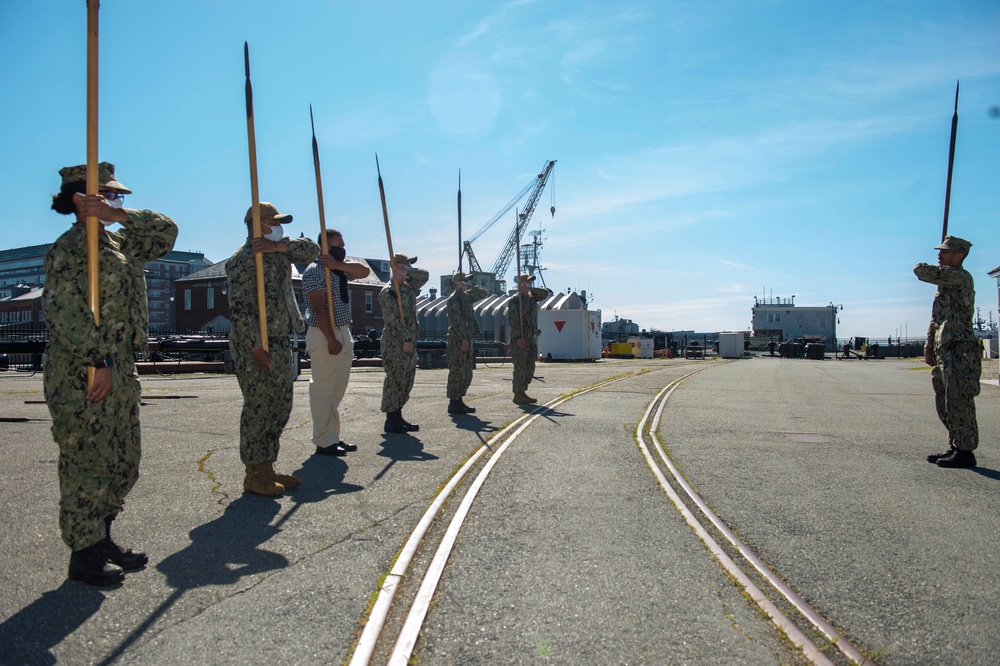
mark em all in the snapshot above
pixel 211 298
pixel 368 302
pixel 187 299
pixel 773 317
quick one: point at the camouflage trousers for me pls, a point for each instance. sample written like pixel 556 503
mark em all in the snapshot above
pixel 460 366
pixel 400 371
pixel 267 400
pixel 955 378
pixel 99 448
pixel 524 363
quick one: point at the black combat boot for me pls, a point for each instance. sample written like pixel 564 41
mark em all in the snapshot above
pixel 466 408
pixel 456 407
pixel 958 458
pixel 90 565
pixel 410 427
pixel 934 457
pixel 394 423
pixel 128 560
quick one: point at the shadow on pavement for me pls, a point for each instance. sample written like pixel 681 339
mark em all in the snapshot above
pixel 548 413
pixel 29 634
pixel 221 553
pixel 987 472
pixel 402 448
pixel 321 476
pixel 473 423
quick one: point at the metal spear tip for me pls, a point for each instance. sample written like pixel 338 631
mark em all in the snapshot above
pixel 246 58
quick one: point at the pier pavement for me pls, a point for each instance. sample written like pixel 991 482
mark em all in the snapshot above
pixel 818 465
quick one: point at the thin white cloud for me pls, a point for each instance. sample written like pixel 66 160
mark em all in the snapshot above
pixel 491 23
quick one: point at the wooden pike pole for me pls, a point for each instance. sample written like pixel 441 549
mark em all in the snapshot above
pixel 460 221
pixel 951 165
pixel 255 202
pixel 388 240
pixel 93 184
pixel 324 243
pixel 517 252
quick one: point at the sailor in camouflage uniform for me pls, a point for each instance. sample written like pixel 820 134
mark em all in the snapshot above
pixel 524 336
pixel 399 340
pixel 265 376
pixel 462 328
pixel 953 351
pixel 97 428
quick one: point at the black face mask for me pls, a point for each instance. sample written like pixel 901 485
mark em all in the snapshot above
pixel 340 254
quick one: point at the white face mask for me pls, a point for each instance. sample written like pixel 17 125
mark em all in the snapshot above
pixel 276 233
pixel 114 203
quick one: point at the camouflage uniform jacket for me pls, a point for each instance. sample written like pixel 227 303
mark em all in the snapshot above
pixel 394 334
pixel 462 323
pixel 283 314
pixel 954 304
pixel 529 306
pixel 76 340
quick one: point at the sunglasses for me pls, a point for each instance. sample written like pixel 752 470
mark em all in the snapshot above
pixel 113 196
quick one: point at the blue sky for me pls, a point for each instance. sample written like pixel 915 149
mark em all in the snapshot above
pixel 707 152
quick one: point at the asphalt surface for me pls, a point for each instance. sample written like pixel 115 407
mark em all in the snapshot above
pixel 571 554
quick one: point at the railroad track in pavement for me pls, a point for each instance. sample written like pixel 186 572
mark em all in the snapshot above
pixel 400 608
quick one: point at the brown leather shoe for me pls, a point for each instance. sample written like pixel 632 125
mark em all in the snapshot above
pixel 260 481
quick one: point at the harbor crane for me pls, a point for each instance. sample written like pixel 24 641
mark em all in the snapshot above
pixel 502 264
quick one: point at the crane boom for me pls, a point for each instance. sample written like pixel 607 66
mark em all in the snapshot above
pixel 474 266
pixel 502 263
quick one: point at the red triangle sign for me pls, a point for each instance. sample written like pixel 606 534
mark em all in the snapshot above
pixel 559 325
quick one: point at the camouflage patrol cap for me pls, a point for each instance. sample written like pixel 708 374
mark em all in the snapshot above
pixel 461 277
pixel 954 243
pixel 105 176
pixel 403 259
pixel 268 213
pixel 525 279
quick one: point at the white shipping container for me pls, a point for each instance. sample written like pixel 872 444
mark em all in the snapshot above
pixel 569 334
pixel 641 347
pixel 731 345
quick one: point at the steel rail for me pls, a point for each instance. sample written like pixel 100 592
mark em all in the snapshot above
pixel 407 637
pixel 798 638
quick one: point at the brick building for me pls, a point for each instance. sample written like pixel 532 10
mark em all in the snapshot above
pixel 202 306
pixel 22 270
pixel 22 308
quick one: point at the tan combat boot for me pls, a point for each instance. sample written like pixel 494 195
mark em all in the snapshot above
pixel 259 481
pixel 286 480
pixel 522 399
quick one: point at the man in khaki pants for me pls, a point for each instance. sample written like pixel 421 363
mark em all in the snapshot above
pixel 330 346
